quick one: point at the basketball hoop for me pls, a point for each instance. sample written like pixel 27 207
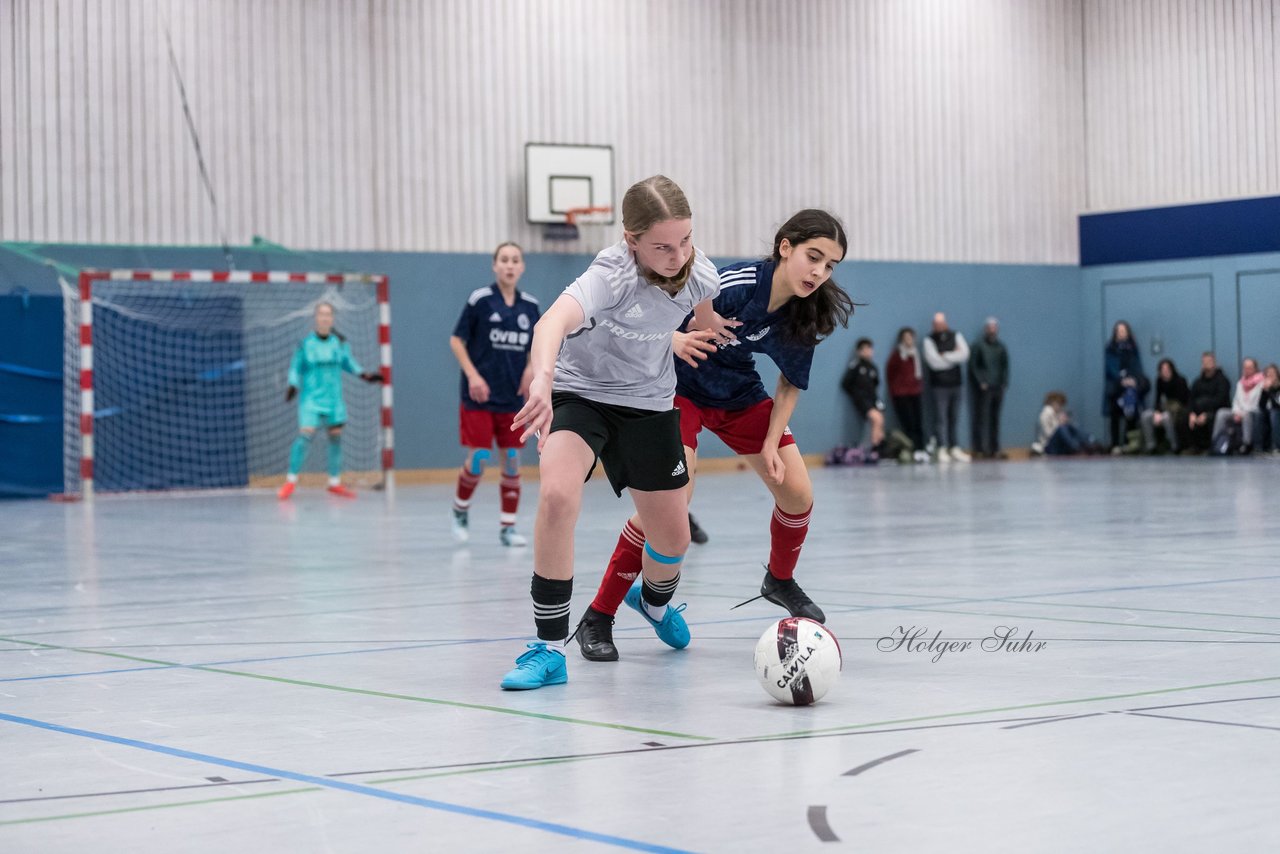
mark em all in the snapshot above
pixel 568 230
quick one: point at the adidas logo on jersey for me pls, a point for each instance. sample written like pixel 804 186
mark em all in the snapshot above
pixel 679 469
pixel 634 312
pixel 756 336
pixel 495 318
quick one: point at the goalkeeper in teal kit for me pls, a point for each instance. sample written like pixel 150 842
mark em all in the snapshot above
pixel 315 377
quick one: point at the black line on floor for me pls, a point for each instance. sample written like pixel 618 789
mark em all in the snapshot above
pixel 1017 721
pixel 140 791
pixel 853 772
pixel 1204 721
pixel 1205 703
pixel 818 823
pixel 499 762
pixel 1055 720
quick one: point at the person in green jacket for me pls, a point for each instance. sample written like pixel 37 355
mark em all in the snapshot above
pixel 315 378
pixel 988 377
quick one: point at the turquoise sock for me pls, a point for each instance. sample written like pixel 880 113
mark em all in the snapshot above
pixel 335 456
pixel 298 453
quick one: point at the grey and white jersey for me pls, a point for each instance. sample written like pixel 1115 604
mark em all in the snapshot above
pixel 621 354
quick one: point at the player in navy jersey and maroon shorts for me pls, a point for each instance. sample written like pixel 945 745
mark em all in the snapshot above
pixel 602 391
pixel 786 304
pixel 491 343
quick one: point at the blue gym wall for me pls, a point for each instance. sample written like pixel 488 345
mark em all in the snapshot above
pixel 1039 307
pixel 1055 320
pixel 1228 304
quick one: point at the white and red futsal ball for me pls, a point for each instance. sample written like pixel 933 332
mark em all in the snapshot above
pixel 797 660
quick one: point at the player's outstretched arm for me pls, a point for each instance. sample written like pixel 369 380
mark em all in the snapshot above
pixel 564 316
pixel 785 398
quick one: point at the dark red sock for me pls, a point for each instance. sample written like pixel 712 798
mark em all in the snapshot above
pixel 624 569
pixel 467 483
pixel 786 536
pixel 510 492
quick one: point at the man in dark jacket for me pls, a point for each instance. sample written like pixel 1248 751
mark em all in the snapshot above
pixel 1210 392
pixel 861 382
pixel 988 378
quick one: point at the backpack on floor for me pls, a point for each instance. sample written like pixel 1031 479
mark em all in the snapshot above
pixel 1230 441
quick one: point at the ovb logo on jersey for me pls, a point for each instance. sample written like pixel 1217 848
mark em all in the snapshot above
pixel 508 339
pixel 523 321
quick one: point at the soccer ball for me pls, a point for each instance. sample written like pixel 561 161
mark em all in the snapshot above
pixel 797 660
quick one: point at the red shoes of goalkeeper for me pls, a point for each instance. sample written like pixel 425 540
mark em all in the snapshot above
pixel 286 492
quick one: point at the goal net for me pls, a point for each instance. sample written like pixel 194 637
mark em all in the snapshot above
pixel 176 379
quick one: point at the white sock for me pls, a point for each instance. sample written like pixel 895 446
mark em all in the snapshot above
pixel 335 481
pixel 556 645
pixel 655 612
pixel 293 478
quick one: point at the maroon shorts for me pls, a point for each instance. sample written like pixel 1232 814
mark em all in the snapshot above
pixel 480 429
pixel 743 430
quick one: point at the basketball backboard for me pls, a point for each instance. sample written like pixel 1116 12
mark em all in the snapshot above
pixel 560 178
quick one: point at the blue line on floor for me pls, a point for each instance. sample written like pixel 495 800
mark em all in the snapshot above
pixel 354 788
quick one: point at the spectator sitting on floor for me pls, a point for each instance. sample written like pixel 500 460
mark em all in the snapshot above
pixel 1210 392
pixel 1269 411
pixel 1172 397
pixel 1244 406
pixel 1055 434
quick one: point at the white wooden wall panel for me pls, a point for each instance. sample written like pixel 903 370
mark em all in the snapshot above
pixel 938 129
pixel 1182 101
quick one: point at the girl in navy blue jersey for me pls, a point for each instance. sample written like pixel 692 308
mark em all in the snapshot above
pixel 491 343
pixel 786 304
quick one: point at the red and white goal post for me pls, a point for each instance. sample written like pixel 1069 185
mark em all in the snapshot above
pixel 176 379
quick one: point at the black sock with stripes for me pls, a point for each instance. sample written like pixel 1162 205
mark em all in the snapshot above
pixel 656 594
pixel 551 609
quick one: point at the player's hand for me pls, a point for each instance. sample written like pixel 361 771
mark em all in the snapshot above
pixel 693 347
pixel 290 394
pixel 774 467
pixel 478 389
pixel 722 327
pixel 535 415
pixel 371 377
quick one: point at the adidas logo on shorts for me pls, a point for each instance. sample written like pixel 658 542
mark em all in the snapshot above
pixel 634 312
pixel 679 469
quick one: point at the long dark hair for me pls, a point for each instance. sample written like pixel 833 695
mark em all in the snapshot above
pixel 813 318
pixel 1173 369
pixel 1115 342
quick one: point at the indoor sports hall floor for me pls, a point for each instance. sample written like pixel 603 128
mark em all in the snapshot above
pixel 244 675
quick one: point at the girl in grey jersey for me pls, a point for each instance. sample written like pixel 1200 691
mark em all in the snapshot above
pixel 602 390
